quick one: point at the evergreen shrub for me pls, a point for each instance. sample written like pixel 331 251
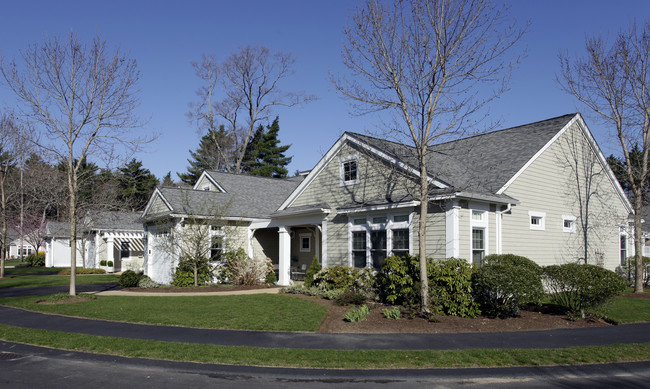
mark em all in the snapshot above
pixel 504 282
pixel 311 272
pixel 578 288
pixel 35 259
pixel 129 279
pixel 450 288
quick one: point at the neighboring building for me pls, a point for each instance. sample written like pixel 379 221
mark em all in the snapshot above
pixel 508 191
pixel 111 236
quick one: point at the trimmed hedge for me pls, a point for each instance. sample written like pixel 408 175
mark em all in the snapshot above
pixel 578 288
pixel 502 283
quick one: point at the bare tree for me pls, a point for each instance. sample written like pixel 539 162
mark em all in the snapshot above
pixel 82 98
pixel 421 60
pixel 9 150
pixel 612 81
pixel 250 81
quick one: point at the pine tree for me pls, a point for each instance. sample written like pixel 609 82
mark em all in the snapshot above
pixel 167 180
pixel 263 155
pixel 136 184
pixel 214 153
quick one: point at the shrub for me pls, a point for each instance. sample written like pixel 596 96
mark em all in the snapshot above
pixel 333 294
pixel 628 270
pixel 244 270
pixel 357 314
pixel 35 259
pixel 271 278
pixel 184 274
pixel 345 277
pixel 109 263
pixel 129 279
pixel 147 283
pixel 578 288
pixel 301 289
pixel 102 262
pixel 311 272
pixel 399 279
pixel 450 288
pixel 392 313
pixel 350 297
pixel 504 282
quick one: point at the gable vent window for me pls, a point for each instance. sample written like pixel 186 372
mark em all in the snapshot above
pixel 569 224
pixel 537 220
pixel 349 170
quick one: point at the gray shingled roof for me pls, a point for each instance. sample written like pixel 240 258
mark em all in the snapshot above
pixel 246 196
pixel 117 220
pixel 482 163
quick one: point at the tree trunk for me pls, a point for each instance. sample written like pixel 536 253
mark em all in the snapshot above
pixel 422 233
pixel 72 215
pixel 196 274
pixel 638 246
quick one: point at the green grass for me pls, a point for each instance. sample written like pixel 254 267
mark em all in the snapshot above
pixel 267 312
pixel 13 262
pixel 21 281
pixel 628 310
pixel 332 359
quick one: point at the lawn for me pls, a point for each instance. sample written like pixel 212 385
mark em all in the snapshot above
pixel 20 281
pixel 249 312
pixel 628 310
pixel 332 359
pixel 33 270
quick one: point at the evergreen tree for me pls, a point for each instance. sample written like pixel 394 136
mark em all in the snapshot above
pixel 167 180
pixel 136 184
pixel 214 153
pixel 264 157
pixel 619 167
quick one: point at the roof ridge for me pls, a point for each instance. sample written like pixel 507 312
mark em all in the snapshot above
pixel 250 175
pixel 468 137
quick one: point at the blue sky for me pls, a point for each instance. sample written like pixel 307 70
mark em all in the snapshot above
pixel 165 36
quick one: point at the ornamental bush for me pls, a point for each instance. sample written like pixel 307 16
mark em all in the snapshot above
pixel 357 314
pixel 147 283
pixel 450 288
pixel 311 272
pixel 399 279
pixel 578 288
pixel 345 277
pixel 35 259
pixel 184 274
pixel 505 282
pixel 129 279
pixel 244 270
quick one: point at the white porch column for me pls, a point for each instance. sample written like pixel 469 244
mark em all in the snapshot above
pixel 284 278
pixel 323 234
pixel 452 218
pixel 109 250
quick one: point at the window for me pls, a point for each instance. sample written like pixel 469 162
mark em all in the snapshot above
pixel 305 243
pixel 478 245
pixel 623 250
pixel 216 249
pixel 125 249
pixel 537 220
pixel 379 220
pixel 401 218
pixel 359 222
pixel 359 248
pixel 206 188
pixel 378 247
pixel 349 170
pixel 568 224
pixel 401 242
pixel 477 215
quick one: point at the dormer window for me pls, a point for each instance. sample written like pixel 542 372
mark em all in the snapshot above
pixel 349 170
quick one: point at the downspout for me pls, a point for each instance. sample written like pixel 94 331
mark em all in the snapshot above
pixel 500 228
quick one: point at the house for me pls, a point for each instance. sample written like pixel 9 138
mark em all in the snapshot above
pixel 109 235
pixel 516 190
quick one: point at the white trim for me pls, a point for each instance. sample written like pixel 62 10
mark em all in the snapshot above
pixel 342 161
pixel 452 231
pixel 211 179
pixel 156 191
pixel 541 215
pixel 303 236
pixel 483 224
pixel 388 226
pixel 331 153
pixel 381 207
pixel 572 228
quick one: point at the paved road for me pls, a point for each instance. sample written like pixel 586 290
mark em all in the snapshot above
pixel 24 366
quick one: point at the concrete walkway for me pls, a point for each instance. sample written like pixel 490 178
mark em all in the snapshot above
pixel 629 333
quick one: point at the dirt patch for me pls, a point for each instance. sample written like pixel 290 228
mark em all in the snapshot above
pixel 71 300
pixel 200 289
pixel 376 323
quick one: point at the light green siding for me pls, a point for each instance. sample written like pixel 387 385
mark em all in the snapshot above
pixel 548 186
pixel 436 232
pixel 204 183
pixel 158 206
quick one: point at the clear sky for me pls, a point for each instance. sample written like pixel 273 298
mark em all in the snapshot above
pixel 165 36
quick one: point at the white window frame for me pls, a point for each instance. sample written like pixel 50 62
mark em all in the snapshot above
pixel 542 220
pixel 481 223
pixel 308 237
pixel 342 162
pixel 370 226
pixel 571 229
pixel 206 188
